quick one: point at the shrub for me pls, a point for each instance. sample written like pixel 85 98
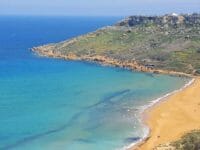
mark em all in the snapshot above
pixel 198 51
pixel 190 141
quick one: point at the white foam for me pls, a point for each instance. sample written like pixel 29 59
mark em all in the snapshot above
pixel 152 103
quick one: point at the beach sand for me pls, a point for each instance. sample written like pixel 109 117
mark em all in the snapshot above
pixel 170 119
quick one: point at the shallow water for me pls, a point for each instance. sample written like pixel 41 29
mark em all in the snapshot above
pixel 54 104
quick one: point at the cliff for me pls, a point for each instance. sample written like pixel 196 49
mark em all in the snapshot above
pixel 172 20
pixel 169 43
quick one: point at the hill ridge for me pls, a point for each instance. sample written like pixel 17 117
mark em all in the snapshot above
pixel 170 43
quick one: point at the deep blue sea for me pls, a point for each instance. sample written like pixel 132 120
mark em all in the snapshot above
pixel 51 104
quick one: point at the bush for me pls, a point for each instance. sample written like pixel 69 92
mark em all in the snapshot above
pixel 197 72
pixel 190 141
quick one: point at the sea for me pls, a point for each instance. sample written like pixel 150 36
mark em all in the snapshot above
pixel 54 104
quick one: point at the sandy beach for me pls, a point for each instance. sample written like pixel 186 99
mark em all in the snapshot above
pixel 170 119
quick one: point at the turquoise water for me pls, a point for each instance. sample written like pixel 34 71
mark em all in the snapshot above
pixel 50 104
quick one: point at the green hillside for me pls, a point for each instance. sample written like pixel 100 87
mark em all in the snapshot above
pixel 169 42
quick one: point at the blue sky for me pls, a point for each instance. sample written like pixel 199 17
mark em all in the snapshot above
pixel 97 7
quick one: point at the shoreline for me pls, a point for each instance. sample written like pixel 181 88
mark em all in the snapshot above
pixel 149 107
pixel 106 61
pixel 164 115
pixel 102 60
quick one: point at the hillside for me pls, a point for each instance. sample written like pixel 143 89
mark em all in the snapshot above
pixel 146 43
pixel 189 141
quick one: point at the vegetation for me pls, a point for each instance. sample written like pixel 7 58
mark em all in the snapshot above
pixel 166 42
pixel 190 141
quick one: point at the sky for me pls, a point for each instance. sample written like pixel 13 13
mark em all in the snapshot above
pixel 97 7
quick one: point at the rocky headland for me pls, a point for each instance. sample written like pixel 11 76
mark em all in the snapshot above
pixel 157 44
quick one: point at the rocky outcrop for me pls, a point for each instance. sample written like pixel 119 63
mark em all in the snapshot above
pixel 106 61
pixel 173 20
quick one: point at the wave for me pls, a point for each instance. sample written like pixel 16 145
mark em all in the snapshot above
pixel 146 129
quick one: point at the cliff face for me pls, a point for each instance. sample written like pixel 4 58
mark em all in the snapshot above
pixel 172 20
pixel 145 43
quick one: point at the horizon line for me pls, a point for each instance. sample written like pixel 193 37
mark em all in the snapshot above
pixel 65 15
